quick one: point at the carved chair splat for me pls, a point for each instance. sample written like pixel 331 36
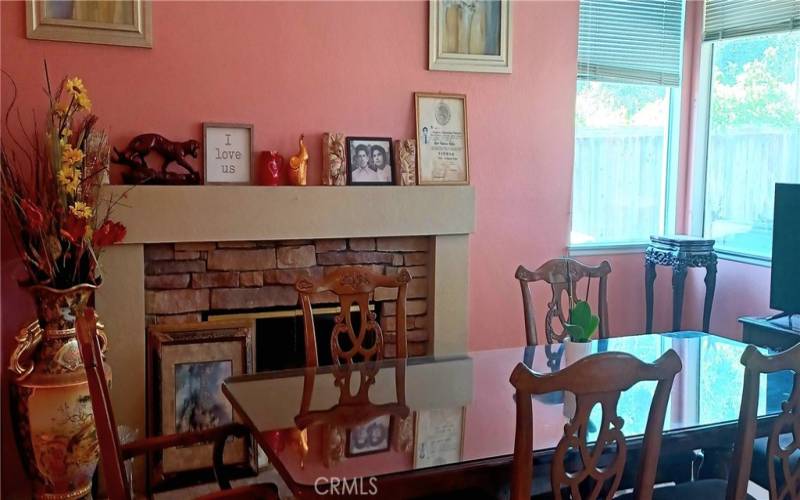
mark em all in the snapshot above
pixel 590 478
pixel 353 408
pixel 353 286
pixel 113 454
pixel 563 276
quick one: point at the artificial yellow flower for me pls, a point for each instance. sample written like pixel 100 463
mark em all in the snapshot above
pixel 68 177
pixel 81 209
pixel 74 86
pixel 71 156
pixel 84 101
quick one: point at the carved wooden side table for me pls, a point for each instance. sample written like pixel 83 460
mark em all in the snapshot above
pixel 680 253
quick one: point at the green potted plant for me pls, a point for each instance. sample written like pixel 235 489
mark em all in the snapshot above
pixel 581 324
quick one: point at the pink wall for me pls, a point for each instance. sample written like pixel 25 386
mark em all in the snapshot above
pixel 292 68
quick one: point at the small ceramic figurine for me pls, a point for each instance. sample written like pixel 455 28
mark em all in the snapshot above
pixel 334 171
pixel 271 173
pixel 407 162
pixel 298 166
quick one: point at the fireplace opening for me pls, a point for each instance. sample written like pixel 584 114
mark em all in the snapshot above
pixel 278 342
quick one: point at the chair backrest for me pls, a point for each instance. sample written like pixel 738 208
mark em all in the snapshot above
pixel 785 482
pixel 620 372
pixel 110 451
pixel 563 276
pixel 353 286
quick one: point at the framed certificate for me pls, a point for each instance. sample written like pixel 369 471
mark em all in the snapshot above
pixel 228 155
pixel 438 437
pixel 442 144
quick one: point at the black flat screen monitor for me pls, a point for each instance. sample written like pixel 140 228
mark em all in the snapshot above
pixel 785 286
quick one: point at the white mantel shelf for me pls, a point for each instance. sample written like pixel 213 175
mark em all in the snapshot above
pixel 158 214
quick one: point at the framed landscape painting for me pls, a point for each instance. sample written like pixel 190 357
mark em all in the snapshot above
pixel 470 35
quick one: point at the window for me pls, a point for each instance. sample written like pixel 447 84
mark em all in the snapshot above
pixel 620 169
pixel 629 68
pixel 753 138
pixel 752 131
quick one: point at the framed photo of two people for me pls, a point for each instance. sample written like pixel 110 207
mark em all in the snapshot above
pixel 370 161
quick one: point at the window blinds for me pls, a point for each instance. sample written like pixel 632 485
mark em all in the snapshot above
pixel 631 41
pixel 734 18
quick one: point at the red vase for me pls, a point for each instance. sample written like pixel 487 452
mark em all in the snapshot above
pixel 271 169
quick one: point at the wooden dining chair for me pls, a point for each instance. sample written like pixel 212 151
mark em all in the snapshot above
pixel 781 455
pixel 584 470
pixel 353 286
pixel 113 454
pixel 563 276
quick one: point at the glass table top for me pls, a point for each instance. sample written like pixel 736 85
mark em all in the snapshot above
pixel 430 411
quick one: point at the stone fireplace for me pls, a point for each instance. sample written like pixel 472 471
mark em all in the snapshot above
pixel 189 282
pixel 166 269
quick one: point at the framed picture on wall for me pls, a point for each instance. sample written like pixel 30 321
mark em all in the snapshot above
pixel 442 142
pixel 228 155
pixel 369 161
pixel 110 22
pixel 188 364
pixel 470 35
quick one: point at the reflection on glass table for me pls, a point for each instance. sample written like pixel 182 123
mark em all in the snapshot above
pixel 460 409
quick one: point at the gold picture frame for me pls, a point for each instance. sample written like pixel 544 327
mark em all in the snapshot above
pixel 442 139
pixel 188 363
pixel 119 22
pixel 451 32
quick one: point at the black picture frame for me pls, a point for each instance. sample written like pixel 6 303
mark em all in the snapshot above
pixel 353 144
pixel 385 423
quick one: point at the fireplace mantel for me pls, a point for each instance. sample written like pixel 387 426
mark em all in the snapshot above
pixel 172 214
pixel 161 214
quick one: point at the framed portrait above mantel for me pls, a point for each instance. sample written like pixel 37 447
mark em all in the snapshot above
pixel 470 35
pixel 108 22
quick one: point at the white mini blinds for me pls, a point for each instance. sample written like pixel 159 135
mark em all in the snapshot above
pixel 734 18
pixel 631 41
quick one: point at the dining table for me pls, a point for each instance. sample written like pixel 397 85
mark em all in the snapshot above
pixel 403 428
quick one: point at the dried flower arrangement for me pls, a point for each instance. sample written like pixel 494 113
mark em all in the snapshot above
pixel 51 187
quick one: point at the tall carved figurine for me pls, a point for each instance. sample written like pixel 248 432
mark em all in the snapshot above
pixel 298 166
pixel 406 150
pixel 334 171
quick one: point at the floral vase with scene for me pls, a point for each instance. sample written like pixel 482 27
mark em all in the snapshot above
pixel 60 223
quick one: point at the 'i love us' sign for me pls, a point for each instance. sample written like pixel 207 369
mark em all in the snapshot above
pixel 228 153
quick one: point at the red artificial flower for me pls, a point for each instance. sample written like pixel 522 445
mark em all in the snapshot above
pixel 108 234
pixel 73 228
pixel 34 216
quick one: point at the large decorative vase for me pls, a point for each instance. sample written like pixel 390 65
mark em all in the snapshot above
pixel 50 403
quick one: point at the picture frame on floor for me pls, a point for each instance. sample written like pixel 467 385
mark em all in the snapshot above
pixel 438 436
pixel 374 436
pixel 189 362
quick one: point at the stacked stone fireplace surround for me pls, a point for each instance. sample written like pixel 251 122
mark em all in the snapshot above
pixel 186 281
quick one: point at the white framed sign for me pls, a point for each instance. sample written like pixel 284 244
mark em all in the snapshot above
pixel 228 155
